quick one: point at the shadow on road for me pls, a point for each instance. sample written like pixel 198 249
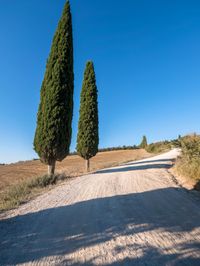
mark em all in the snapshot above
pixel 151 257
pixel 154 164
pixel 151 161
pixel 64 230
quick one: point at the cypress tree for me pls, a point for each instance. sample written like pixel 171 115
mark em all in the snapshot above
pixel 53 132
pixel 144 143
pixel 88 136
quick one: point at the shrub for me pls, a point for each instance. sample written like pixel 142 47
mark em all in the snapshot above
pixel 188 164
pixel 159 147
pixel 190 146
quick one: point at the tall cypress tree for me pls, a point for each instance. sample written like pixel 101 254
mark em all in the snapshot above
pixel 88 136
pixel 53 132
pixel 144 143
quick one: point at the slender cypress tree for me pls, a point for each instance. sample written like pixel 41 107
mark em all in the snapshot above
pixel 53 132
pixel 88 136
pixel 144 143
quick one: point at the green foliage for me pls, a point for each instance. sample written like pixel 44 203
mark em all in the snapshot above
pixel 88 137
pixel 144 144
pixel 53 132
pixel 188 164
pixel 159 147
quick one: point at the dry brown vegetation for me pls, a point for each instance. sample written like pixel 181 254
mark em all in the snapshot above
pixel 188 164
pixel 71 166
pixel 19 180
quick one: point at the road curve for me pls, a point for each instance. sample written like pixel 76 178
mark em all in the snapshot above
pixel 129 215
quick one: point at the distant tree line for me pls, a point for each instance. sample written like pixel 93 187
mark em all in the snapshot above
pixel 124 147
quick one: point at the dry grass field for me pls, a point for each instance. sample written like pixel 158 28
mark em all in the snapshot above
pixel 72 166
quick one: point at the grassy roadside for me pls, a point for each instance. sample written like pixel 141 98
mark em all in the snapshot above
pixel 25 189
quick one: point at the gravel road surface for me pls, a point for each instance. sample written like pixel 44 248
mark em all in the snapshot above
pixel 134 214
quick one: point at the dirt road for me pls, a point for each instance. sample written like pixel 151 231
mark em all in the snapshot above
pixel 128 215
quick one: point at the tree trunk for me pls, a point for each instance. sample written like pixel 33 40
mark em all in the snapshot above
pixel 87 164
pixel 51 168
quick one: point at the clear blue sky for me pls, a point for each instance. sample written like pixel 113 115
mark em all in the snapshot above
pixel 147 61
